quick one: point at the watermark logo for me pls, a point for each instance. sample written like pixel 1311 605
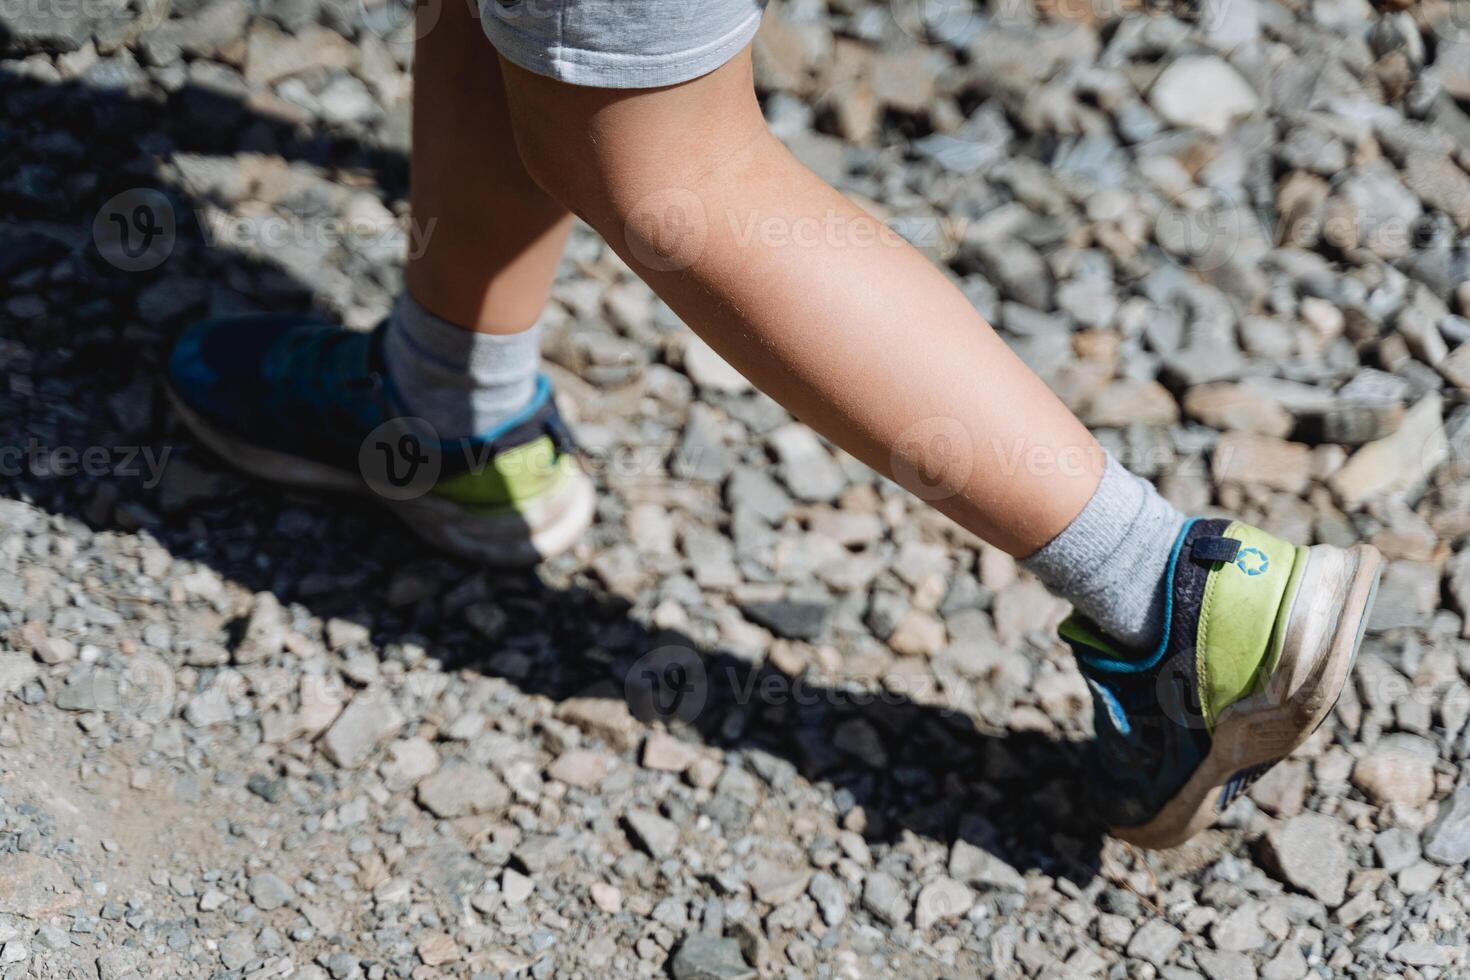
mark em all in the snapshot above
pixel 834 229
pixel 523 10
pixel 272 231
pixel 1198 231
pixel 146 463
pixel 136 230
pixel 142 687
pixel 402 22
pixel 668 684
pixel 1207 15
pixel 146 689
pixel 933 458
pixel 151 13
pixel 667 231
pixel 1202 237
pixel 934 21
pixel 1450 21
pixel 400 459
pixel 1449 442
pixel 1178 697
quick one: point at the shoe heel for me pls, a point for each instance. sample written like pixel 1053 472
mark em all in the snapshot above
pixel 1324 630
pixel 505 538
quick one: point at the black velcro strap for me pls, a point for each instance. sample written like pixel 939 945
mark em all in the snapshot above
pixel 1214 549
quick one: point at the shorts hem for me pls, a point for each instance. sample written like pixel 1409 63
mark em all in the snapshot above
pixel 612 69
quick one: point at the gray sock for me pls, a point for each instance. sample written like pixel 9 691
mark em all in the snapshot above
pixel 1111 560
pixel 463 383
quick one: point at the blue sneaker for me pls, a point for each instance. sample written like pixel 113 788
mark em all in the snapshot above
pixel 1259 638
pixel 308 403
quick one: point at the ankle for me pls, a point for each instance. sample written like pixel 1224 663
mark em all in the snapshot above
pixel 1112 561
pixel 461 382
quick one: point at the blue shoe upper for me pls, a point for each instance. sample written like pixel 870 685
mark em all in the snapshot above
pixel 1150 728
pixel 315 389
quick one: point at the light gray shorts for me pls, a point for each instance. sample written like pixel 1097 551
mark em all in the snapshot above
pixel 620 43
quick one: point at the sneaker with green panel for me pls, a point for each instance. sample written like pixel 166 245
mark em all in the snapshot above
pixel 310 404
pixel 1260 637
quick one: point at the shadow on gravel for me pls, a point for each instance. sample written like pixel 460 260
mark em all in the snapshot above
pixel 81 365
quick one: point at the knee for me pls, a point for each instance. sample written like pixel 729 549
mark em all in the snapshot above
pixel 634 166
pixel 628 197
pixel 550 159
pixel 599 152
pixel 560 155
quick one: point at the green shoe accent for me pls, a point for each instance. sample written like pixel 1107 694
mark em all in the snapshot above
pixel 1077 630
pixel 1239 610
pixel 514 476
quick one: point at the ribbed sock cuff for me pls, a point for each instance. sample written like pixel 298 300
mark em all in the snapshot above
pixel 1111 560
pixel 462 382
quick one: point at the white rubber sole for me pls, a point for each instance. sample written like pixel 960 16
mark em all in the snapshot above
pixel 504 538
pixel 1323 632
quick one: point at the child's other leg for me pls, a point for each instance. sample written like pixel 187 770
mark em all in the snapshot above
pixel 487 238
pixel 313 404
pixel 462 347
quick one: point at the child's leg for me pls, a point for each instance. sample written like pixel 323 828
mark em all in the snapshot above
pixel 1234 644
pixel 460 346
pixel 848 326
pixel 487 239
pixel 813 300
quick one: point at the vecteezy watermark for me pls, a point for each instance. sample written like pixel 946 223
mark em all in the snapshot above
pixel 675 684
pixel 401 459
pixel 668 684
pixel 1042 459
pixel 1204 238
pixel 1205 14
pixel 1448 19
pixel 834 230
pixel 37 460
pixel 135 231
pixel 523 10
pixel 935 21
pixel 404 458
pixel 269 231
pixel 402 22
pixel 141 687
pixel 151 13
pixel 144 14
pixel 1196 231
pixel 933 458
pixel 668 230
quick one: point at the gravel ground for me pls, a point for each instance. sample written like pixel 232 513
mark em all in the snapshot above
pixel 773 717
